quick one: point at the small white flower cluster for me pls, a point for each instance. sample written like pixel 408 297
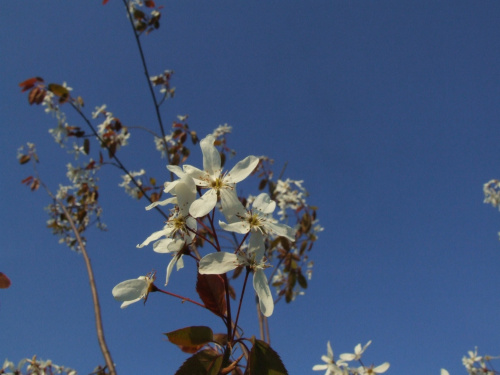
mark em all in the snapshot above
pixel 109 129
pixel 133 191
pixel 160 144
pixel 163 79
pixel 61 130
pixel 476 364
pixel 491 191
pixel 34 366
pixel 342 366
pixel 222 130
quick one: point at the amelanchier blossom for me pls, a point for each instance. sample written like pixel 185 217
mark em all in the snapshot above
pixel 220 185
pixel 374 370
pixel 259 218
pixel 131 291
pixel 222 262
pixel 358 352
pixel 331 367
pixel 180 228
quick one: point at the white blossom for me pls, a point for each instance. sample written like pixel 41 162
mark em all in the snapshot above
pixel 222 262
pixel 259 218
pixel 131 291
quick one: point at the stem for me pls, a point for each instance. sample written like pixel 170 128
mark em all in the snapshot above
pixel 120 164
pixel 180 297
pixel 93 288
pixel 241 300
pixel 151 90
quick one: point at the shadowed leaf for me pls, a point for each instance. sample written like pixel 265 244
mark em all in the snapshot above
pixel 211 290
pixel 263 360
pixel 206 362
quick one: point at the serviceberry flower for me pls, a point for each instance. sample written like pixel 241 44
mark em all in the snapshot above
pixel 180 228
pixel 358 352
pixel 374 370
pixel 259 218
pixel 222 262
pixel 331 367
pixel 131 291
pixel 219 185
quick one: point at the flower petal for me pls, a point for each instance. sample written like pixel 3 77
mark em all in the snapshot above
pixel 130 289
pixel 242 169
pixel 204 205
pixel 171 265
pixel 218 263
pixel 232 208
pixel 162 246
pixel 154 236
pixel 241 227
pixel 264 204
pixel 262 288
pixel 172 200
pixel 186 194
pixel 211 157
pixel 282 230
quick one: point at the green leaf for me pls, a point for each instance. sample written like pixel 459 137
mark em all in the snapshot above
pixel 58 90
pixel 302 280
pixel 206 362
pixel 191 338
pixel 263 360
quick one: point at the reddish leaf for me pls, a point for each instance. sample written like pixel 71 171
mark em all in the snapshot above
pixel 211 290
pixel 36 95
pixel 24 159
pixel 4 281
pixel 149 3
pixel 104 2
pixel 29 83
pixel 27 180
pixel 191 339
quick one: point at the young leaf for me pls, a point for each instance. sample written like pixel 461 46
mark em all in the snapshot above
pixel 60 91
pixel 29 83
pixel 206 362
pixel 4 281
pixel 86 146
pixel 191 338
pixel 263 360
pixel 211 290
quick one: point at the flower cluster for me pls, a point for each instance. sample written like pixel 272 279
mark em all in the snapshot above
pixel 34 366
pixel 218 190
pixel 476 364
pixel 342 365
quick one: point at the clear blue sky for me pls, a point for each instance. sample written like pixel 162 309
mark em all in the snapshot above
pixel 388 110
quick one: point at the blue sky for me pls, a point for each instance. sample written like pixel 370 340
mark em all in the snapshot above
pixel 388 110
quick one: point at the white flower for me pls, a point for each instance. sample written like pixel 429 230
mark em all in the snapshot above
pixel 222 262
pixel 331 367
pixel 374 370
pixel 180 228
pixel 131 291
pixel 219 185
pixel 358 352
pixel 258 219
pixel 444 372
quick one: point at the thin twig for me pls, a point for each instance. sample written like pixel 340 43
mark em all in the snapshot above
pixel 97 309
